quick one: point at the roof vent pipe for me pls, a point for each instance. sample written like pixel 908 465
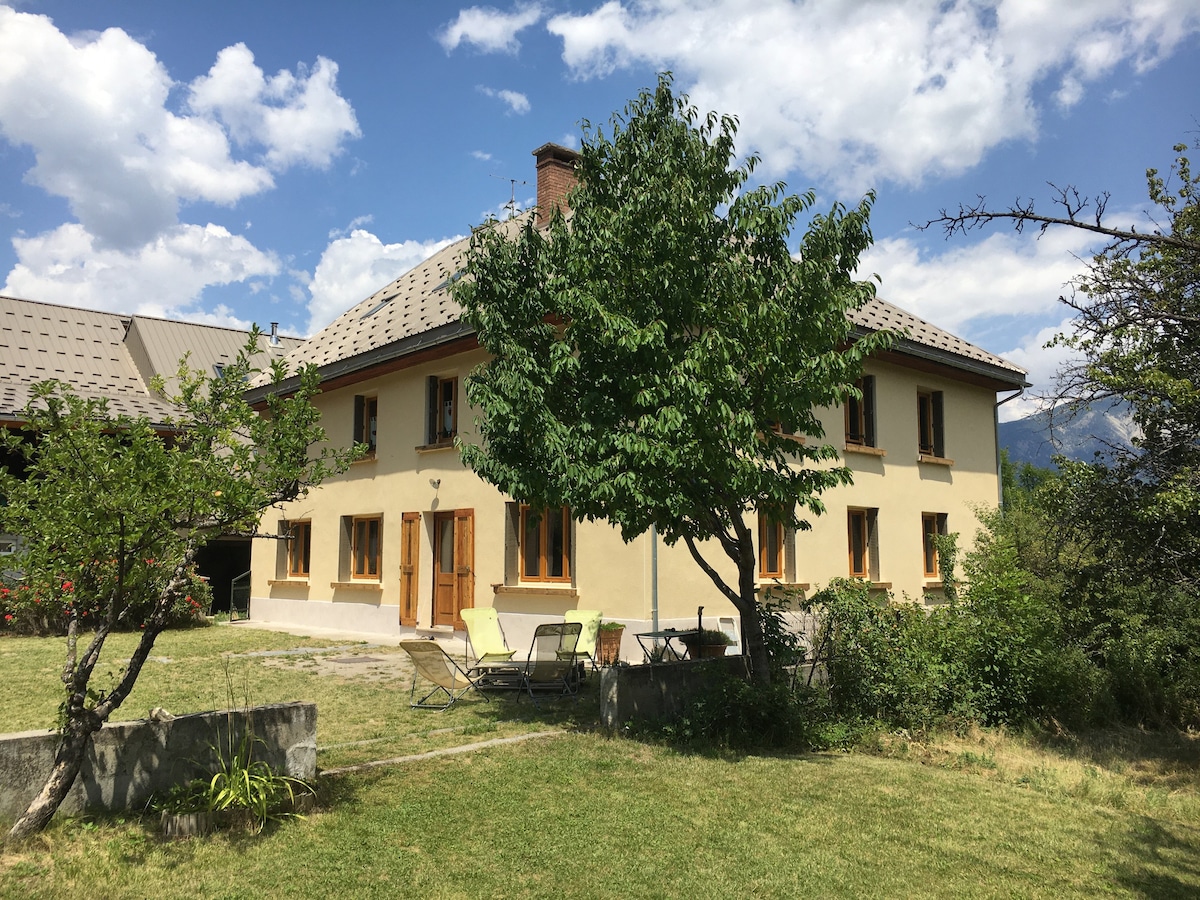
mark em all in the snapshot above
pixel 274 334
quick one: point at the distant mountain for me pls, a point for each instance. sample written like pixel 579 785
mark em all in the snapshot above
pixel 1078 437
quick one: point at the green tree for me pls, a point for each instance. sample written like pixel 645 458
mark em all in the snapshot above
pixel 1111 549
pixel 112 514
pixel 1137 315
pixel 643 350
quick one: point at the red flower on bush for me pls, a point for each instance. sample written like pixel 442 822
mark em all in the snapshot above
pixel 8 617
pixel 68 586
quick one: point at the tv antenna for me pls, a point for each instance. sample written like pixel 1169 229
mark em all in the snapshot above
pixel 511 205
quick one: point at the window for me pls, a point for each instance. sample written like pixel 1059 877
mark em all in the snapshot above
pixel 545 544
pixel 929 424
pixel 932 524
pixel 862 544
pixel 443 410
pixel 860 414
pixel 299 544
pixel 770 546
pixel 366 419
pixel 365 544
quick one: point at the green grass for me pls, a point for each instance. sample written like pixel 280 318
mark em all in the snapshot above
pixel 988 814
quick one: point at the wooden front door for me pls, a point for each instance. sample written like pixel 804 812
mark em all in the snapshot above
pixel 453 565
pixel 410 543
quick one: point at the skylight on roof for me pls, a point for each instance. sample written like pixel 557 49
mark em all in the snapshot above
pixel 449 281
pixel 374 309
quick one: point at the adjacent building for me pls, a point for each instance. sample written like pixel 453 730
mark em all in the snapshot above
pixel 115 357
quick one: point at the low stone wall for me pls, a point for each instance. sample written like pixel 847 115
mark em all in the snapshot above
pixel 657 693
pixel 129 761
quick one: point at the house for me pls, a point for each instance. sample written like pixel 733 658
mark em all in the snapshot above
pixel 116 357
pixel 408 537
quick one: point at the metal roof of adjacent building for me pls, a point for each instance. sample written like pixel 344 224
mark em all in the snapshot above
pixel 107 356
pixel 416 311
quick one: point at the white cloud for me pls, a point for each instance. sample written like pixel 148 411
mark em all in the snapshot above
pixel 860 92
pixel 1043 364
pixel 489 29
pixel 356 222
pixel 517 102
pixel 95 110
pixel 296 119
pixel 1001 293
pixel 352 268
pixel 67 266
pixel 1004 274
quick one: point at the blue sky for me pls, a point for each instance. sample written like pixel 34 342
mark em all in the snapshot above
pixel 279 161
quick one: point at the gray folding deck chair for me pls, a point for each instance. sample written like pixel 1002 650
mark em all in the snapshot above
pixel 436 666
pixel 553 666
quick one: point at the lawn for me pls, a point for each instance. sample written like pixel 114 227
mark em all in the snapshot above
pixel 584 815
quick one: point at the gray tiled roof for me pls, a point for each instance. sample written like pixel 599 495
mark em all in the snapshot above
pixel 103 355
pixel 879 314
pixel 393 320
pixel 415 303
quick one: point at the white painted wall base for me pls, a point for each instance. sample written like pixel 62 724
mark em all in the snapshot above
pixel 366 618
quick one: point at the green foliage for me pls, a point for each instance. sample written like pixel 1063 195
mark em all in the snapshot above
pixel 710 637
pixel 113 511
pixel 738 715
pixel 784 646
pixel 642 350
pixel 890 662
pixel 243 789
pixel 27 610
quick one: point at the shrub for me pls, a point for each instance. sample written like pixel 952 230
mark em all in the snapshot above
pixel 44 608
pixel 740 715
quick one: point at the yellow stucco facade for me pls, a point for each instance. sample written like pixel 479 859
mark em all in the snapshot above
pixel 410 501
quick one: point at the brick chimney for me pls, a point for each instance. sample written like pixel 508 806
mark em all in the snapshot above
pixel 555 177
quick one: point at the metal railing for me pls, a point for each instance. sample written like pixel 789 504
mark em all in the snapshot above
pixel 239 597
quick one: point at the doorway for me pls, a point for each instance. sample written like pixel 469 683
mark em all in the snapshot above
pixel 453 565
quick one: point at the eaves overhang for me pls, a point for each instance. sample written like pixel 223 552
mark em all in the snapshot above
pixel 377 360
pixel 984 373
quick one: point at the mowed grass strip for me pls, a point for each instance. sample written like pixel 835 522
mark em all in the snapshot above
pixel 581 815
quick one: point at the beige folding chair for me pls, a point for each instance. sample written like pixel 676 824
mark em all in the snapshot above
pixel 434 665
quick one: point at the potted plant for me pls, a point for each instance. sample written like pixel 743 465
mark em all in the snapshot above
pixel 609 644
pixel 706 643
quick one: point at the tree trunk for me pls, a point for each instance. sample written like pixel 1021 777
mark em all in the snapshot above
pixel 82 722
pixel 752 635
pixel 77 737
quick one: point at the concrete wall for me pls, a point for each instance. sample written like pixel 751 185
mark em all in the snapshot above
pixel 658 693
pixel 129 761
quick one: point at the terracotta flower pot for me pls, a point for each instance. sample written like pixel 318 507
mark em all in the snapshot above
pixel 610 645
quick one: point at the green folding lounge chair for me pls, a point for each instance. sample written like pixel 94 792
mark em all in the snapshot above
pixel 435 666
pixel 485 637
pixel 589 619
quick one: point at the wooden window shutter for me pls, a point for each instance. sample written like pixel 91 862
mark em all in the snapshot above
pixel 868 402
pixel 464 559
pixel 939 440
pixel 359 415
pixel 410 538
